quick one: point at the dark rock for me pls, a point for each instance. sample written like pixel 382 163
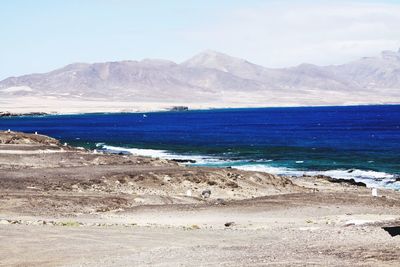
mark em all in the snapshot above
pixel 220 201
pixel 228 224
pixel 392 230
pixel 10 114
pixel 179 108
pixel 232 184
pixel 321 176
pixel 344 181
pixel 184 160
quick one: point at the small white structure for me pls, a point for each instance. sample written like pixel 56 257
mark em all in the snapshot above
pixel 374 192
pixel 35 133
pixel 189 193
pixel 8 131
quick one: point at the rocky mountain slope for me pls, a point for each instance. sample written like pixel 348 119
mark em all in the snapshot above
pixel 216 76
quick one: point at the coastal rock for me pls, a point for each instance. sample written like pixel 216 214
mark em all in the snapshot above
pixel 341 181
pixel 10 137
pixel 11 114
pixel 123 181
pixel 184 160
pixel 179 108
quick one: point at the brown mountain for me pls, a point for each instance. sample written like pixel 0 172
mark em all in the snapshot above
pixel 218 77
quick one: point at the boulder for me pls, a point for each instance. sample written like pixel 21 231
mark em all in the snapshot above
pixel 206 193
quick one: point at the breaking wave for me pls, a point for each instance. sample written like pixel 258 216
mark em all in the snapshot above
pixel 369 177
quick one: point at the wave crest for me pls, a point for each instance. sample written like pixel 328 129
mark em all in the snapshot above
pixel 369 177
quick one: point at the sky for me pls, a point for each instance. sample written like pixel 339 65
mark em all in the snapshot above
pixel 42 35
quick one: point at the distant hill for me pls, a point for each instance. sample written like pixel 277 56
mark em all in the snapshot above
pixel 212 76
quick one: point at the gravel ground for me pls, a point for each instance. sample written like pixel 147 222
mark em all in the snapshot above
pixel 71 207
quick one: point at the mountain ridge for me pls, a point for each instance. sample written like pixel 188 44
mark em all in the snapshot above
pixel 217 76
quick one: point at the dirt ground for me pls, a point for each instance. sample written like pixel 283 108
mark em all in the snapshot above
pixel 62 206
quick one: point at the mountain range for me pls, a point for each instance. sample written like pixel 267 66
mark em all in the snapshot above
pixel 213 77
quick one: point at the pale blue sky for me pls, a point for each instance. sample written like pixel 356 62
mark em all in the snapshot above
pixel 40 35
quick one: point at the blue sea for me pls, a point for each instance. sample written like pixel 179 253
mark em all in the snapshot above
pixel 360 142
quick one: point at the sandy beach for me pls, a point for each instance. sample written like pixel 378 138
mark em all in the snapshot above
pixel 59 105
pixel 63 206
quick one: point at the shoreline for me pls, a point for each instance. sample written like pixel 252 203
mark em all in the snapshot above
pixel 59 106
pixel 370 176
pixel 352 175
pixel 128 209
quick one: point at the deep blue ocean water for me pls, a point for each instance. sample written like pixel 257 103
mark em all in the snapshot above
pixel 361 142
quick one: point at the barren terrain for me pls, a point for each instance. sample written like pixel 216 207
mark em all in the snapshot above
pixel 62 206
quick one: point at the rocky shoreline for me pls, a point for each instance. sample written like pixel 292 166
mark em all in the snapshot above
pixel 57 168
pixel 13 114
pixel 39 113
pixel 116 206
